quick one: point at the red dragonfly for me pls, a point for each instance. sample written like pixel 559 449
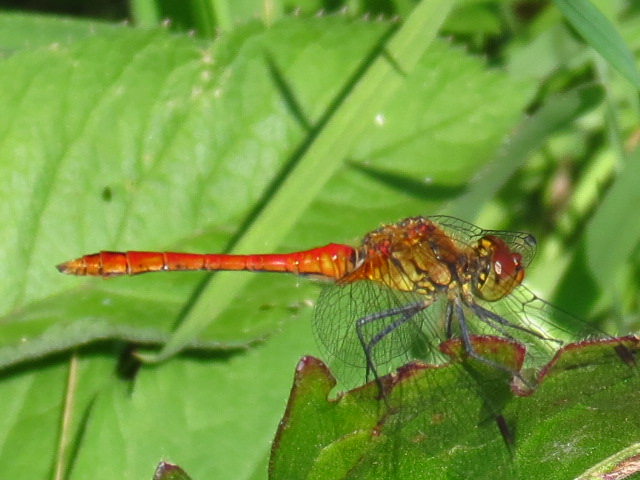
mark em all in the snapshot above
pixel 408 287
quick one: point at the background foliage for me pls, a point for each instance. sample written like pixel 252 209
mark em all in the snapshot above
pixel 258 126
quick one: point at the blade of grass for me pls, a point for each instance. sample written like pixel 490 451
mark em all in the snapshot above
pixel 601 35
pixel 322 159
pixel 614 230
pixel 145 13
pixel 62 456
pixel 220 11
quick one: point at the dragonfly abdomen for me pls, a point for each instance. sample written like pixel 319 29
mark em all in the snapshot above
pixel 331 261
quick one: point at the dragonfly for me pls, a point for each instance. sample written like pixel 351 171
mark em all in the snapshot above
pixel 408 287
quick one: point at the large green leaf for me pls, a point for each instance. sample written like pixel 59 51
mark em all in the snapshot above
pixel 584 411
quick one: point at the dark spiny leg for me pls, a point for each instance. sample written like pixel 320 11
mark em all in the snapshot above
pixel 449 321
pixel 501 422
pixel 486 315
pixel 466 339
pixel 496 326
pixel 406 312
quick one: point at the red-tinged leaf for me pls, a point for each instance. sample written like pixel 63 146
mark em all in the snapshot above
pixel 441 422
pixel 167 471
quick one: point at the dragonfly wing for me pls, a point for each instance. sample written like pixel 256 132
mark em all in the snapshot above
pixel 541 327
pixel 458 228
pixel 364 319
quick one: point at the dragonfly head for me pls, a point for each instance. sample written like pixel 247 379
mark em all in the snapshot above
pixel 503 269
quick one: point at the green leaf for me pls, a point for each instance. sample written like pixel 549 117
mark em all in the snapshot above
pixel 19 31
pixel 212 414
pixel 357 435
pixel 437 424
pixel 33 401
pixel 582 406
pixel 601 35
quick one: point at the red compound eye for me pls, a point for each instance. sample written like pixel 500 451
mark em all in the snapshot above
pixel 506 271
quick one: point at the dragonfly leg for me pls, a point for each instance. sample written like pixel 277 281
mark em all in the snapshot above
pixel 449 321
pixel 406 313
pixel 469 350
pixel 488 317
pixel 501 422
pixel 497 327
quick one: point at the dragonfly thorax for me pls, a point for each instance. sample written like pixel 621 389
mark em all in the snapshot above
pixel 414 255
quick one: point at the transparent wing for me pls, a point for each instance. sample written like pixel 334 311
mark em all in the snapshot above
pixel 460 229
pixel 547 328
pixel 363 318
pixel 370 328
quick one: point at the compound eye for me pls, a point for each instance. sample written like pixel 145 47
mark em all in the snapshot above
pixel 505 270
